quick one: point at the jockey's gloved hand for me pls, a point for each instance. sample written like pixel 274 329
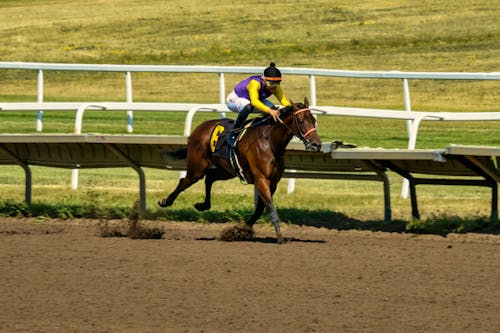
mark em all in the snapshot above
pixel 274 113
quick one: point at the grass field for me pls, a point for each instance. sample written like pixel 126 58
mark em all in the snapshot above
pixel 414 35
pixel 462 36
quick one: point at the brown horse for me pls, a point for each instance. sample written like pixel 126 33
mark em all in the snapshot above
pixel 260 156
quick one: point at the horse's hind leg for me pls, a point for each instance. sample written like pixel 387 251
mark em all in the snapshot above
pixel 184 183
pixel 181 186
pixel 212 176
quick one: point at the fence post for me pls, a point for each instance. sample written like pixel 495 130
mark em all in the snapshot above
pixel 78 130
pixel 407 102
pixel 222 92
pixel 312 102
pixel 39 116
pixel 128 91
pixel 312 90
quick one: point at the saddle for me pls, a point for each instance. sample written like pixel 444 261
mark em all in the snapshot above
pixel 220 147
pixel 218 138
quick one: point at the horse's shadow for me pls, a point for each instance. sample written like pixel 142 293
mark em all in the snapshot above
pixel 327 219
pixel 268 240
pixel 292 216
pixel 338 221
pixel 438 225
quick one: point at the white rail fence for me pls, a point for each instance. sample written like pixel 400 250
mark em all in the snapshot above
pixel 221 70
pixel 413 118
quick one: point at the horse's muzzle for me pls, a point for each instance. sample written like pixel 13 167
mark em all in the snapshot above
pixel 312 146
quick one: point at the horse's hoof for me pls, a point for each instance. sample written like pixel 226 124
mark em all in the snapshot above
pixel 164 203
pixel 201 206
pixel 280 240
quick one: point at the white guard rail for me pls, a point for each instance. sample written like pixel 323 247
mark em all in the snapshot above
pixel 221 70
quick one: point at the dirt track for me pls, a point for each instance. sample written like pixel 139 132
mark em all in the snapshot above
pixel 61 276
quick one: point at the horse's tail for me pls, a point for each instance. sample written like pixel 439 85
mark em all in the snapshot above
pixel 178 154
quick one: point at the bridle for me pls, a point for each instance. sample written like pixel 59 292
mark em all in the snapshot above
pixel 301 135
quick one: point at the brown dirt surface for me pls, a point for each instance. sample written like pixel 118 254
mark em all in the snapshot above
pixel 62 276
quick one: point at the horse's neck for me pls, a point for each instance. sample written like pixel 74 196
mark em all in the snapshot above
pixel 280 136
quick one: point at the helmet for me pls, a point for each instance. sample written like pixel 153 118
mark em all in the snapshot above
pixel 271 73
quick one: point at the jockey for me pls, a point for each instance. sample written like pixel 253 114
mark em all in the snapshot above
pixel 250 95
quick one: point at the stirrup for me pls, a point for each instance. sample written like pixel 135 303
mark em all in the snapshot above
pixel 231 140
pixel 233 158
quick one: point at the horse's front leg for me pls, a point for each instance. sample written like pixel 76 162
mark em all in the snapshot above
pixel 276 222
pixel 266 191
pixel 259 209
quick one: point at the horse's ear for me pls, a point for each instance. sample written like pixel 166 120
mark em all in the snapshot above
pixel 306 102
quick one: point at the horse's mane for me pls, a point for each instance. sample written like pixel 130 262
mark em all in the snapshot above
pixel 287 109
pixel 284 112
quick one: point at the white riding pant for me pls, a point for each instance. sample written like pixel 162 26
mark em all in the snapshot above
pixel 236 103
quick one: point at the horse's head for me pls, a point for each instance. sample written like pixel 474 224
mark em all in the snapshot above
pixel 301 122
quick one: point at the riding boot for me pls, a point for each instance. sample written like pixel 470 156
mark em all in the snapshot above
pixel 242 115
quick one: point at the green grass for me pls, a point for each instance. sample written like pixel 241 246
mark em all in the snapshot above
pixel 376 35
pixel 413 35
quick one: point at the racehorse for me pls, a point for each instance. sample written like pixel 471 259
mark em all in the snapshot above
pixel 260 157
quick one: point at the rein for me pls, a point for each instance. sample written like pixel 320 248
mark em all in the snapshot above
pixel 301 136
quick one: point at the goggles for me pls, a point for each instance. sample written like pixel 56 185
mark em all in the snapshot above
pixel 273 84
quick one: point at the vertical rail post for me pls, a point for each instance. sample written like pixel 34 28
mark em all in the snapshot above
pixel 222 92
pixel 39 116
pixel 407 102
pixel 312 102
pixel 128 92
pixel 312 90
pixel 78 130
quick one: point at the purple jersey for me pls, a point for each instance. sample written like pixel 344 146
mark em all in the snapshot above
pixel 241 88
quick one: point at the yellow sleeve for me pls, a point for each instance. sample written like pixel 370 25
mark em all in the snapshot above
pixel 253 88
pixel 281 97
